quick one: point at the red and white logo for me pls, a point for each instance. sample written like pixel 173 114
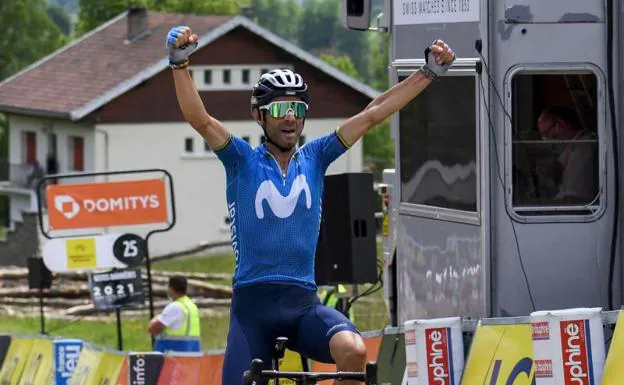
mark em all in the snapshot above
pixel 576 352
pixel 543 368
pixel 66 205
pixel 540 330
pixel 439 356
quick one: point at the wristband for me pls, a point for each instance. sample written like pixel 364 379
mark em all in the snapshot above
pixel 179 66
pixel 428 73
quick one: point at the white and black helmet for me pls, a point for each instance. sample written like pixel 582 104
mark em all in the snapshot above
pixel 278 82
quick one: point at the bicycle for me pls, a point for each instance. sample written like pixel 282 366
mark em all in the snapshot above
pixel 255 373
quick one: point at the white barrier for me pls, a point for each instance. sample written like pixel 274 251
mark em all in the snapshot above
pixel 568 346
pixel 434 351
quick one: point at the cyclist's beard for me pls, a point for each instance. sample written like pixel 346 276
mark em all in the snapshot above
pixel 274 143
pixel 269 140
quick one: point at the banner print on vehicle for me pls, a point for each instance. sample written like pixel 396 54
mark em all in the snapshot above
pixel 90 205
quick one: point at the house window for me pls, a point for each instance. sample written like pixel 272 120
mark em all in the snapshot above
pixel 246 139
pixel 263 71
pixel 245 76
pixel 29 147
pixel 76 153
pixel 554 143
pixel 207 147
pixel 438 150
pixel 226 76
pixel 188 145
pixel 302 140
pixel 207 77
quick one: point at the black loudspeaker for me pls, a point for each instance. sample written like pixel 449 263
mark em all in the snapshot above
pixel 347 251
pixel 355 14
pixel 38 274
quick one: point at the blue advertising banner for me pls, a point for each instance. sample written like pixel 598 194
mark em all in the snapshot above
pixel 66 354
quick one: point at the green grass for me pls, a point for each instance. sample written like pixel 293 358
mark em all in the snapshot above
pixel 104 333
pixel 134 329
pixel 218 263
pixel 370 314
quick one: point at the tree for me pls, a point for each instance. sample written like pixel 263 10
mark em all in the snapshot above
pixel 354 44
pixel 319 22
pixel 378 149
pixel 343 63
pixel 28 34
pixel 4 170
pixel 3 131
pixel 378 143
pixel 70 6
pixel 378 48
pixel 93 13
pixel 96 12
pixel 60 17
pixel 378 146
pixel 4 145
pixel 278 16
pixel 205 7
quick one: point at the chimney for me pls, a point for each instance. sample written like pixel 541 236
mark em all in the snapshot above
pixel 137 23
pixel 247 11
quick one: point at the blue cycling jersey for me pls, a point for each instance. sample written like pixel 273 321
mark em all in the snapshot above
pixel 275 217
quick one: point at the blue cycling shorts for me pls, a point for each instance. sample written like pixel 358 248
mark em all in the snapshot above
pixel 262 312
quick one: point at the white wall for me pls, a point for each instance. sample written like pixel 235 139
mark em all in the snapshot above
pixel 62 129
pixel 199 179
pixel 236 81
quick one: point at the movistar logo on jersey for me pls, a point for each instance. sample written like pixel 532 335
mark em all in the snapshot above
pixel 282 206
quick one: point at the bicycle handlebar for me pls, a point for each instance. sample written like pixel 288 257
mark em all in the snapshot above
pixel 255 374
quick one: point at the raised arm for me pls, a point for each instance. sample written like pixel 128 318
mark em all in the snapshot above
pixel 439 58
pixel 181 42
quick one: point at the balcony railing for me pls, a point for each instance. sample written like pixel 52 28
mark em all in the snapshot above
pixel 20 175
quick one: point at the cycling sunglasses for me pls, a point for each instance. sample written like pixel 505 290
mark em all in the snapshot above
pixel 278 110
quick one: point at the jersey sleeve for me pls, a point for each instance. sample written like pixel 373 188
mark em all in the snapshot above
pixel 327 148
pixel 233 151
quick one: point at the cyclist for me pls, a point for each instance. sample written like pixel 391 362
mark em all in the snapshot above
pixel 274 201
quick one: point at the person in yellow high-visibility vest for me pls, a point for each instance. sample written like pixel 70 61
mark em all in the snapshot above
pixel 329 297
pixel 177 328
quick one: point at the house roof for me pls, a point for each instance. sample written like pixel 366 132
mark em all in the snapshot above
pixel 102 65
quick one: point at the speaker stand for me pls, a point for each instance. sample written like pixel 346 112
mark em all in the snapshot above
pixel 119 336
pixel 41 312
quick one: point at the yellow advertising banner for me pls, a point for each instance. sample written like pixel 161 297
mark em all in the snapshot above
pixel 81 253
pixel 290 363
pixel 86 369
pixel 108 369
pixel 38 368
pixel 15 360
pixel 500 355
pixel 613 369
